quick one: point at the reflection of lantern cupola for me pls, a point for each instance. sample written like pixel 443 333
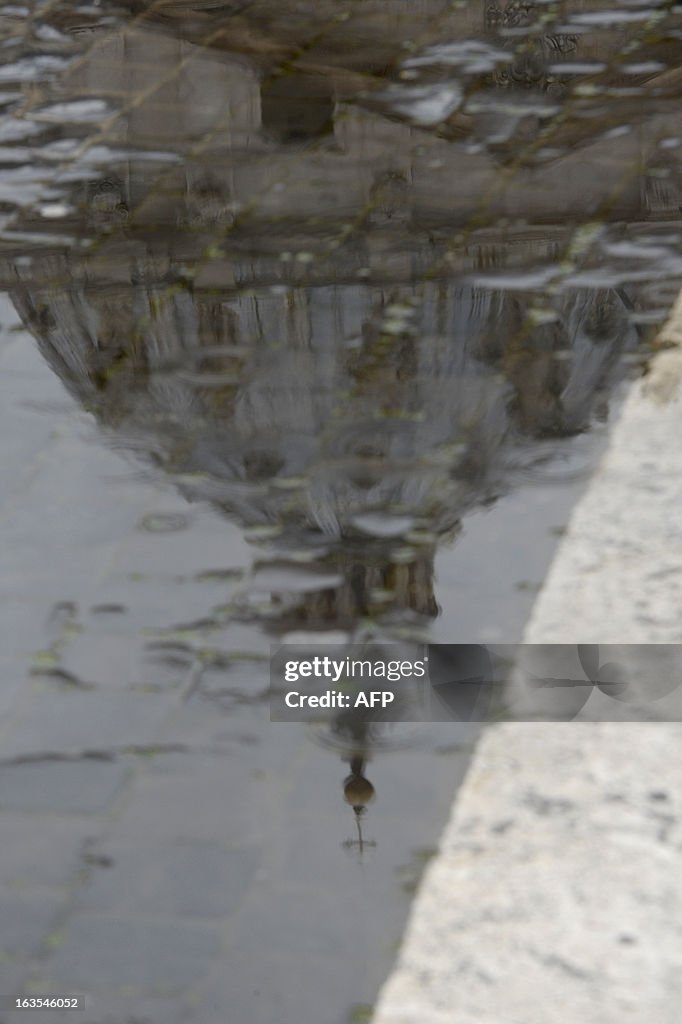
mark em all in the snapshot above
pixel 358 792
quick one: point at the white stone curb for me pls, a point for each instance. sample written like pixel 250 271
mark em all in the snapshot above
pixel 556 895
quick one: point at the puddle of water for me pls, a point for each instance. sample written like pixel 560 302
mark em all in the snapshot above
pixel 345 298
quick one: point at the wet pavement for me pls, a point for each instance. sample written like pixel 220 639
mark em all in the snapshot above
pixel 316 319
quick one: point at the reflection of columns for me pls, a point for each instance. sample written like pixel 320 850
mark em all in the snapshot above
pixel 372 585
pixel 415 422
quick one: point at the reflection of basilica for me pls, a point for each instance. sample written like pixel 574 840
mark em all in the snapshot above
pixel 359 420
pixel 275 310
pixel 312 287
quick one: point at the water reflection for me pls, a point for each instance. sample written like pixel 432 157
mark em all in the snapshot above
pixel 349 426
pixel 358 791
pixel 345 272
pixel 308 285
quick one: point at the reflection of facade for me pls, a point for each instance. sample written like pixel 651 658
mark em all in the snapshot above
pixel 269 136
pixel 372 38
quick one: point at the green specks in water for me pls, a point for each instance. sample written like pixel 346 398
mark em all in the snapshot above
pixel 360 1014
pixel 54 673
pixel 411 873
pixel 219 576
pixel 527 585
pixel 44 660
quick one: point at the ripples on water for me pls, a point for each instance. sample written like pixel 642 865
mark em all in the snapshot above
pixel 346 272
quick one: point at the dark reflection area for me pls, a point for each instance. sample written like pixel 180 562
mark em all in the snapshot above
pixel 346 275
pixel 295 108
pixel 358 791
pixel 351 426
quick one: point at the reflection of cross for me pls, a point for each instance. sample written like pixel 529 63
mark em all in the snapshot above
pixel 360 842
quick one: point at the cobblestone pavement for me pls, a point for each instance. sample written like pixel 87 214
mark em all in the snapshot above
pixel 148 831
pixel 303 289
pixel 165 849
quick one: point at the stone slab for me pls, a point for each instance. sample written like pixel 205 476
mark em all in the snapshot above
pixel 556 895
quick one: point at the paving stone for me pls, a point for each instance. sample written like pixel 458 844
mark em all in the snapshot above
pixel 25 839
pixel 199 879
pixel 178 797
pixel 149 956
pixel 183 551
pixel 103 660
pixel 69 787
pixel 63 720
pixel 25 921
pixel 270 987
pixel 202 725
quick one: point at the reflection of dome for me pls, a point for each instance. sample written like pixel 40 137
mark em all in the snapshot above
pixel 359 423
pixel 317 406
pixel 358 791
pixel 359 426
